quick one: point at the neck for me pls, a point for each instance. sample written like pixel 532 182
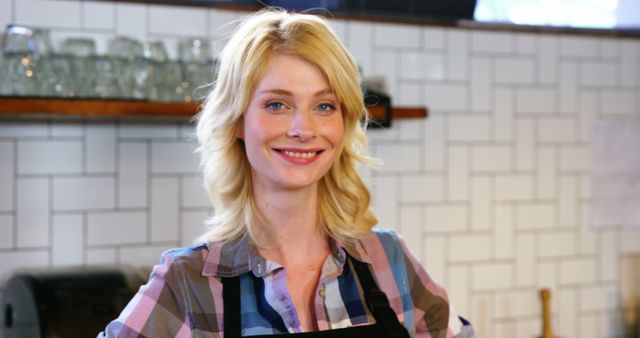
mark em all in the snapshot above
pixel 291 226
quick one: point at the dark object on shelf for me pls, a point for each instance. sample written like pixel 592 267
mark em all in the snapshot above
pixel 420 9
pixel 380 110
pixel 301 5
pixel 432 9
pixel 65 303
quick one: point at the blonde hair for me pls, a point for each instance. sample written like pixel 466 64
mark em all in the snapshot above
pixel 343 199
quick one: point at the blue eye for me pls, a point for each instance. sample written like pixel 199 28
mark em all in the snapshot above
pixel 326 107
pixel 275 105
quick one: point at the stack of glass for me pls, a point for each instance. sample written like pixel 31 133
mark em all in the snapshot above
pixel 131 69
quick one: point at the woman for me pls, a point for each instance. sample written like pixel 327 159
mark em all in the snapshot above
pixel 291 247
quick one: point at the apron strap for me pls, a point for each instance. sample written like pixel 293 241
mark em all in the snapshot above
pixel 378 302
pixel 231 301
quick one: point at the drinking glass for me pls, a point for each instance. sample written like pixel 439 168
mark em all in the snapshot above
pixel 198 67
pixel 56 76
pixel 155 50
pixel 104 80
pixel 172 88
pixel 197 77
pixel 125 47
pixel 21 55
pixel 125 53
pixel 78 46
pixel 42 42
pixel 82 52
pixel 166 75
pixel 5 87
pixel 194 49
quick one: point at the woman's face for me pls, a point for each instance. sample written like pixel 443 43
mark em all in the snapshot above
pixel 292 128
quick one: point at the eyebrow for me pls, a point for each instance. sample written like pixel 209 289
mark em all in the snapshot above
pixel 288 93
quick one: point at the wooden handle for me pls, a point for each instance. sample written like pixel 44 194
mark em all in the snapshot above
pixel 547 329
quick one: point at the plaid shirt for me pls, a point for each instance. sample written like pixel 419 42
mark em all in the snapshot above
pixel 183 297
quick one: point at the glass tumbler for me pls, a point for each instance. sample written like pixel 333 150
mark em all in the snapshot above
pixel 198 67
pixel 125 53
pixel 5 85
pixel 158 79
pixel 82 52
pixel 56 76
pixel 197 78
pixel 104 80
pixel 80 47
pixel 20 65
pixel 194 49
pixel 173 86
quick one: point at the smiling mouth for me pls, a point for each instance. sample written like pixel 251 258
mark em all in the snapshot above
pixel 299 154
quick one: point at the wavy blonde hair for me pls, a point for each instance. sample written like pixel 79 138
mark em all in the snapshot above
pixel 343 198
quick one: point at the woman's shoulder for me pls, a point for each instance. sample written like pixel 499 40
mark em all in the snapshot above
pixel 184 259
pixel 382 239
pixel 185 253
pixel 385 234
pixel 165 300
pixel 383 247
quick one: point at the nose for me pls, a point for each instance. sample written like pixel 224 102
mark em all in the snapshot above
pixel 302 126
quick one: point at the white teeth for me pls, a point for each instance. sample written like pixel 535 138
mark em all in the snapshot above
pixel 299 155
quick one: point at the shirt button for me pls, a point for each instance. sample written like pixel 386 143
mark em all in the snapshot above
pixel 322 293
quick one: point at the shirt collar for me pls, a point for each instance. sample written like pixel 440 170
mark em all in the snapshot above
pixel 236 257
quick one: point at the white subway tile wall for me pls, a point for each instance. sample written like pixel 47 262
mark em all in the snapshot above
pixel 33 212
pixel 100 148
pixel 6 15
pixel 514 70
pixel 39 13
pixel 68 129
pixel 187 21
pixel 547 59
pixel 480 82
pixel 133 174
pixel 24 259
pixel 492 191
pixel 79 193
pixel 620 102
pixel 132 20
pixel 6 229
pixel 67 240
pixel 165 208
pixel 98 15
pixel 7 175
pixel 192 225
pixel 117 227
pixel 481 189
pixel 49 157
pixel 193 193
pixel 628 63
pixel 457 53
pixel 568 86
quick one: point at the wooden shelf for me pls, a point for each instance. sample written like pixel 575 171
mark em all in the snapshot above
pixel 49 107
pixel 93 108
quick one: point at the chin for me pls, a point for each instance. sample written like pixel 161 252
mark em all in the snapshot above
pixel 291 182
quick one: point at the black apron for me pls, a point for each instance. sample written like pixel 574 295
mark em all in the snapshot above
pixel 386 326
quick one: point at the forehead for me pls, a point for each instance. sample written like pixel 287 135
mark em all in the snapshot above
pixel 292 72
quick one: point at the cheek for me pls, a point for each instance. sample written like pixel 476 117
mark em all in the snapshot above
pixel 335 132
pixel 259 131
